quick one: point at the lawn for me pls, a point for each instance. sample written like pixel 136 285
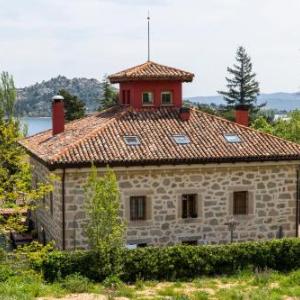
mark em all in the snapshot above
pixel 245 285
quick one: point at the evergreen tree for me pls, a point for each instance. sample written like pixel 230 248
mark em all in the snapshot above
pixel 109 95
pixel 243 88
pixel 8 95
pixel 74 107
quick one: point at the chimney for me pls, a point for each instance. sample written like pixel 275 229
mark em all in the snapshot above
pixel 185 113
pixel 242 115
pixel 58 114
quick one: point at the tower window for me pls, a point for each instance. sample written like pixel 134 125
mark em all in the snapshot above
pixel 166 98
pixel 147 98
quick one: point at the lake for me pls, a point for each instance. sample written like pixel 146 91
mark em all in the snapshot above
pixel 36 125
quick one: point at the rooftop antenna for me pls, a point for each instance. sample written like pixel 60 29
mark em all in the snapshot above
pixel 148 18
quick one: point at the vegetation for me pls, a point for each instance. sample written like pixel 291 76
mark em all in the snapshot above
pixel 35 100
pixel 15 171
pixel 179 262
pixel 109 95
pixel 243 88
pixel 285 128
pixel 105 228
pixel 74 107
pixel 19 281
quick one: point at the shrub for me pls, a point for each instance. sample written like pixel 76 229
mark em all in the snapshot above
pixel 179 262
pixel 76 283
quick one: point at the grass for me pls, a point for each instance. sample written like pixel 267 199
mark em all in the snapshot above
pixel 265 285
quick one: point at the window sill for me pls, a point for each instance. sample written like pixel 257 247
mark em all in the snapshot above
pixel 167 105
pixel 139 223
pixel 243 217
pixel 189 220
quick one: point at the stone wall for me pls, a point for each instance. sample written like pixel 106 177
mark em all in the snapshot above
pixel 272 203
pixel 42 216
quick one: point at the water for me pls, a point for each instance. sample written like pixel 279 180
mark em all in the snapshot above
pixel 36 124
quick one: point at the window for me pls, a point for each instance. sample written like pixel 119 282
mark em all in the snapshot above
pixel 51 203
pixel 147 98
pixel 181 139
pixel 131 140
pixel 189 206
pixel 124 97
pixel 190 243
pixel 137 208
pixel 128 97
pixel 232 138
pixel 240 203
pixel 166 98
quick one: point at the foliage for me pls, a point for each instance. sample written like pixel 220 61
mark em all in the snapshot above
pixel 180 262
pixel 7 96
pixel 109 95
pixel 285 128
pixel 35 100
pixel 76 283
pixel 105 228
pixel 243 88
pixel 15 171
pixel 74 107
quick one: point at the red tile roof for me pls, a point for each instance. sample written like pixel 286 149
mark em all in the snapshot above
pixel 151 71
pixel 100 138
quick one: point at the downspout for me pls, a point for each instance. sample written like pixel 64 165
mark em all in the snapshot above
pixel 297 202
pixel 63 209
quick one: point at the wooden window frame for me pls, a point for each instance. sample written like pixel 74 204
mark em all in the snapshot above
pixel 171 98
pixel 152 98
pixel 134 210
pixel 189 206
pixel 240 203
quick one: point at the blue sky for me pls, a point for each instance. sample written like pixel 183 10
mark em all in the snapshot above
pixel 40 39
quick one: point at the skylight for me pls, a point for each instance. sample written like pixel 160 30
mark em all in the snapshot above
pixel 232 138
pixel 131 140
pixel 181 139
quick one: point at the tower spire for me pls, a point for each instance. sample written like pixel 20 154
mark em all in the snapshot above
pixel 148 19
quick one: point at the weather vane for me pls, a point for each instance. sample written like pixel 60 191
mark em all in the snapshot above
pixel 148 18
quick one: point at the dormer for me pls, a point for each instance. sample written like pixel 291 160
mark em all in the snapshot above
pixel 151 85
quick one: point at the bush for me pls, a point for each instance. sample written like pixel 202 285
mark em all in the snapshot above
pixel 76 283
pixel 179 262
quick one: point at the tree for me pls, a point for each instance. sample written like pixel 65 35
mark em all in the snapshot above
pixel 288 128
pixel 105 228
pixel 8 95
pixel 74 107
pixel 15 170
pixel 109 95
pixel 243 88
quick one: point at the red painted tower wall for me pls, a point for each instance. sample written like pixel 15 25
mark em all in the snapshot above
pixel 131 92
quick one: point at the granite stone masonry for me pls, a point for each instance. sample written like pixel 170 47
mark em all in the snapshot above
pixel 271 203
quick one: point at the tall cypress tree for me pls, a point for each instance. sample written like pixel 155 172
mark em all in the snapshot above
pixel 243 88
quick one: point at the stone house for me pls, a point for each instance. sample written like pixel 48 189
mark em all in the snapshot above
pixel 183 174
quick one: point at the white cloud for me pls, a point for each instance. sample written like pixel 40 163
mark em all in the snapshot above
pixel 40 39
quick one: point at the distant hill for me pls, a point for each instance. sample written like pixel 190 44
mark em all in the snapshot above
pixel 278 101
pixel 35 100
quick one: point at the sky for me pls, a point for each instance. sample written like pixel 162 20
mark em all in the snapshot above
pixel 40 39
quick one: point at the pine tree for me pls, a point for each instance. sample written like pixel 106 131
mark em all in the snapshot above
pixel 74 107
pixel 243 88
pixel 109 95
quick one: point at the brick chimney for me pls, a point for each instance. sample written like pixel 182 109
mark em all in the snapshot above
pixel 58 114
pixel 242 114
pixel 185 113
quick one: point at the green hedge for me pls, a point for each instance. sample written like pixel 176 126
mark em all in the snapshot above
pixel 178 262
